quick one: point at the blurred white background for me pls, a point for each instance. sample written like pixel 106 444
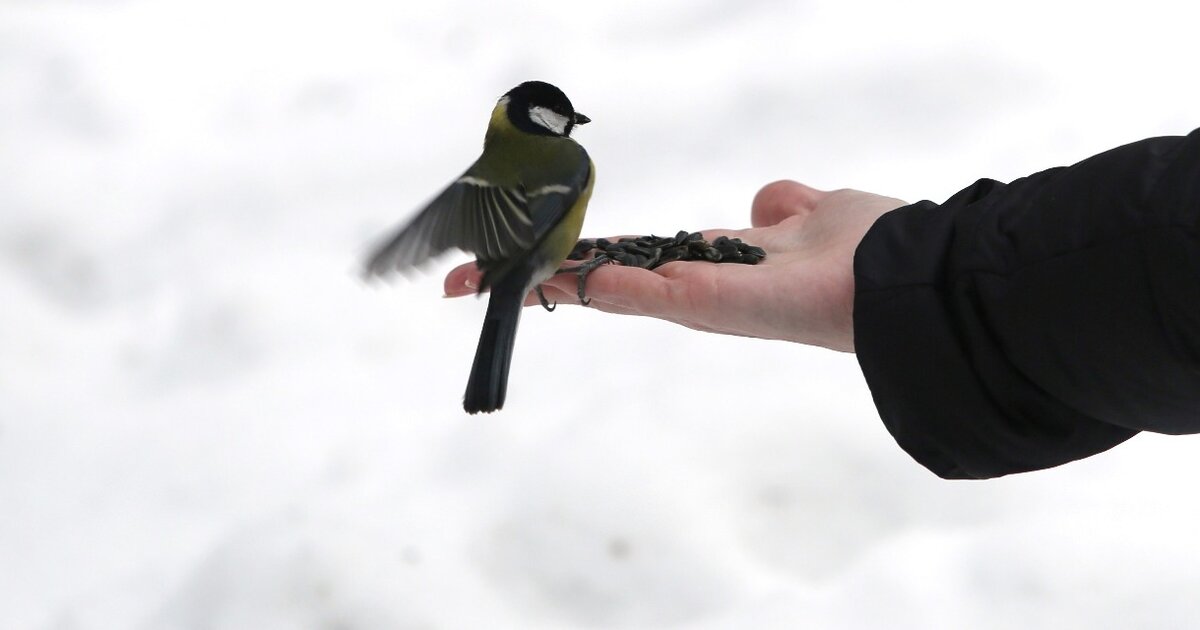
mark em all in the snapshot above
pixel 208 422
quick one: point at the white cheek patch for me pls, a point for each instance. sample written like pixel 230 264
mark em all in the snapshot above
pixel 549 119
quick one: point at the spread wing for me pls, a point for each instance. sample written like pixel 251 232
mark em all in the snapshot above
pixel 501 225
pixel 491 221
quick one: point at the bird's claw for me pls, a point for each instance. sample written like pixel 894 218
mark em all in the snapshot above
pixel 542 298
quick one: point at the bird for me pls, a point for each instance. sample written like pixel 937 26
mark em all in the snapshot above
pixel 519 209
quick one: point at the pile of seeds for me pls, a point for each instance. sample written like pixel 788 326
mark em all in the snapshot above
pixel 649 252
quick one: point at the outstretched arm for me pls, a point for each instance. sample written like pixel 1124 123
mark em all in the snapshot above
pixel 1010 328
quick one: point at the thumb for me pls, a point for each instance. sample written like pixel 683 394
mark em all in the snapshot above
pixel 782 199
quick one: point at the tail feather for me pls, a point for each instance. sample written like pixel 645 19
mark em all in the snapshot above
pixel 489 373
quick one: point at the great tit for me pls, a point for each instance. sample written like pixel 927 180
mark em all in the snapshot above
pixel 519 208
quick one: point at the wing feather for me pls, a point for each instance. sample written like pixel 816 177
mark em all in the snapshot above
pixel 467 215
pixel 488 204
pixel 501 225
pixel 509 212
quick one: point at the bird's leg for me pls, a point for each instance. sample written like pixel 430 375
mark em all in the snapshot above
pixel 581 271
pixel 542 298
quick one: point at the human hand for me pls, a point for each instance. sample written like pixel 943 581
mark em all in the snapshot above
pixel 803 291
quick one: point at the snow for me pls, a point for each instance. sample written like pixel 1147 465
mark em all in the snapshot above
pixel 207 421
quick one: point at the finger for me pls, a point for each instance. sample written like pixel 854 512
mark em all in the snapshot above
pixel 462 280
pixel 555 296
pixel 783 199
pixel 639 290
pixel 621 293
pixel 617 291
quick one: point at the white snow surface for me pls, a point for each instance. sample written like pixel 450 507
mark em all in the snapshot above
pixel 208 422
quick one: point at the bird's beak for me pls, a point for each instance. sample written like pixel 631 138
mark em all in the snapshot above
pixel 580 119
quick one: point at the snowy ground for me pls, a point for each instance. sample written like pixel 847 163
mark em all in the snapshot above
pixel 208 422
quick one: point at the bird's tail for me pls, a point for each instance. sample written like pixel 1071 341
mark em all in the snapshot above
pixel 489 373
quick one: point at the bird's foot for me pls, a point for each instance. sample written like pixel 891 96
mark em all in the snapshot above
pixel 581 272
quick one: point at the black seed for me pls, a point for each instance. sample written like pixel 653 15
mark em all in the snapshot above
pixel 581 249
pixel 661 241
pixel 652 251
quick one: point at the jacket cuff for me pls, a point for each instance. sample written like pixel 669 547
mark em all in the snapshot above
pixel 943 390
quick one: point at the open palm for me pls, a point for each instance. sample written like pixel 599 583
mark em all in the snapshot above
pixel 803 291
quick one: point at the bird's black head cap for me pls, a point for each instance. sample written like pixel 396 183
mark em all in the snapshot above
pixel 540 108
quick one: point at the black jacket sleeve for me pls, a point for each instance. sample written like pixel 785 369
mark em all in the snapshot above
pixel 1021 326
